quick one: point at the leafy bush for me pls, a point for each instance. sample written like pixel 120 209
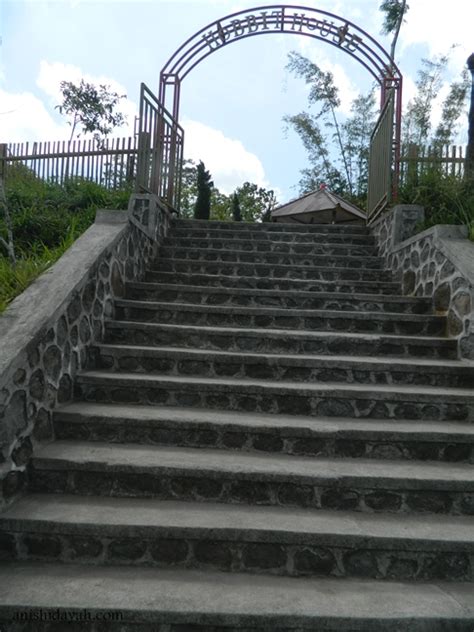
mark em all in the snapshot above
pixel 47 218
pixel 42 212
pixel 446 199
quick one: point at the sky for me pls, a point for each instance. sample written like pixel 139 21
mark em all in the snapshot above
pixel 233 102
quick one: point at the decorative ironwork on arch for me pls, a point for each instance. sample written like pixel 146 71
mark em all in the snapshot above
pixel 294 20
pixel 277 18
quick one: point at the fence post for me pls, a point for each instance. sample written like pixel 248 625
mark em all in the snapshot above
pixel 3 158
pixel 412 167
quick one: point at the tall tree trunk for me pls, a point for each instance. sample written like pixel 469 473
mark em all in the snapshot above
pixel 397 30
pixel 469 169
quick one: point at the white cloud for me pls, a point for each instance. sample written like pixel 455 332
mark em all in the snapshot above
pixel 24 117
pixel 434 23
pixel 227 159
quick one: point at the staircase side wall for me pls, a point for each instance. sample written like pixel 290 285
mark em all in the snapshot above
pixel 46 332
pixel 437 263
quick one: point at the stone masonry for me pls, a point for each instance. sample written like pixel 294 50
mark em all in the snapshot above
pixel 261 433
pixel 46 332
pixel 437 263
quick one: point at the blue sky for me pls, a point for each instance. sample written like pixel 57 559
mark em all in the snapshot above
pixel 232 103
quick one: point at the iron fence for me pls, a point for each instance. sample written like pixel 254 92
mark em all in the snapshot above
pixel 160 150
pixel 151 161
pixel 381 177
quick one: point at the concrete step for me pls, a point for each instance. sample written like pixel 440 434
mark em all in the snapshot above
pixel 278 340
pixel 299 436
pixel 203 475
pixel 278 318
pixel 270 271
pixel 234 256
pixel 292 299
pixel 292 398
pixel 191 227
pixel 238 538
pixel 249 282
pixel 277 367
pixel 175 600
pixel 307 245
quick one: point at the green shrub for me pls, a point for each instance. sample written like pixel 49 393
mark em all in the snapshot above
pixel 47 218
pixel 446 199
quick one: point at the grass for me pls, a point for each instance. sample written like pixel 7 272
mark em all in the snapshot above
pixel 446 199
pixel 47 218
pixel 15 280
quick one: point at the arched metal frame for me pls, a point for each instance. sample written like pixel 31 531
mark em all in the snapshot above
pixel 295 20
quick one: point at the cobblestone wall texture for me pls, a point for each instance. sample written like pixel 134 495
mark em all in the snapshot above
pixel 40 376
pixel 436 263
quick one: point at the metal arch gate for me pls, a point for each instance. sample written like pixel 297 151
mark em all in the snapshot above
pixel 265 20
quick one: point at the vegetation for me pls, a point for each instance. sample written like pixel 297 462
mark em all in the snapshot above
pixel 91 109
pixel 394 12
pixel 344 170
pixel 417 126
pixel 236 212
pixel 44 220
pixel 470 142
pixel 204 185
pixel 446 199
pixel 255 202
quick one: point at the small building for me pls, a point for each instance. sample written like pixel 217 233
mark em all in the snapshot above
pixel 319 207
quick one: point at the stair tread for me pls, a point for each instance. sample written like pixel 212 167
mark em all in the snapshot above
pixel 283 333
pixel 390 298
pixel 353 248
pixel 154 595
pixel 99 456
pixel 72 514
pixel 285 266
pixel 266 227
pixel 77 411
pixel 392 284
pixel 172 247
pixel 323 360
pixel 377 390
pixel 152 304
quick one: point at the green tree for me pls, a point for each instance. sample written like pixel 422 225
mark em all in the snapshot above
pixel 417 119
pixel 204 183
pixel 255 202
pixel 417 123
pixel 188 188
pixel 337 152
pixel 357 131
pixel 394 12
pixel 236 213
pixel 323 94
pixel 90 109
pixel 453 107
pixel 221 206
pixel 470 144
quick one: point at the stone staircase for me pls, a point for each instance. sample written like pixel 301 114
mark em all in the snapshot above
pixel 269 438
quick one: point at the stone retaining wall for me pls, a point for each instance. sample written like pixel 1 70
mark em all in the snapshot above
pixel 438 263
pixel 46 331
